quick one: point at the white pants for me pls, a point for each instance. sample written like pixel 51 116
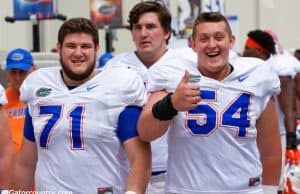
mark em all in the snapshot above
pixel 156 184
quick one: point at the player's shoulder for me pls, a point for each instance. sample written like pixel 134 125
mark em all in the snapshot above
pixel 255 70
pixel 45 72
pixel 126 59
pixel 174 58
pixel 41 77
pixel 121 73
pixel 250 63
pixel 284 64
pixel 180 54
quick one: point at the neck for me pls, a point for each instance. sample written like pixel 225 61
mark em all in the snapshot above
pixel 149 59
pixel 219 75
pixel 71 82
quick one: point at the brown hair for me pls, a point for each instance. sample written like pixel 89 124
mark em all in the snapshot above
pixel 211 17
pixel 157 7
pixel 75 25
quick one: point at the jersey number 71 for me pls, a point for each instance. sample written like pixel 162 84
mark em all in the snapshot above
pixel 54 112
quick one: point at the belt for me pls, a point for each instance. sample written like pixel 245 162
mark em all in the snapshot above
pixel 155 173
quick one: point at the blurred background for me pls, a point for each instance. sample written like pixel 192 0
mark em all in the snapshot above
pixel 33 24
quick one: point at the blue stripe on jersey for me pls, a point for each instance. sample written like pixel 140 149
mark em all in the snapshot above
pixel 208 95
pixel 28 127
pixel 127 123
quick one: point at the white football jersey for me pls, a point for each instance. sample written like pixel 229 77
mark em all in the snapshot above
pixel 3 99
pixel 75 130
pixel 285 65
pixel 130 60
pixel 212 148
pixel 186 54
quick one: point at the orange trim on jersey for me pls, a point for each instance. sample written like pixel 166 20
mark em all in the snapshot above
pixel 252 43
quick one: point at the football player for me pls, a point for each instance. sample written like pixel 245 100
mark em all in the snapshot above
pixel 220 116
pixel 150 26
pixel 80 126
pixel 260 44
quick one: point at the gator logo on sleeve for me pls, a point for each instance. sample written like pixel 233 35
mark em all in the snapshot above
pixel 42 92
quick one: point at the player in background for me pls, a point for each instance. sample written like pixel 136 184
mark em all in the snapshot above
pixel 80 126
pixel 150 26
pixel 260 44
pixel 287 57
pixel 220 116
pixel 19 63
pixel 6 145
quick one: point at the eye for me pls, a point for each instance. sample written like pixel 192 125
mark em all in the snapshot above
pixel 203 38
pixel 137 27
pixel 70 45
pixel 86 46
pixel 219 37
pixel 150 26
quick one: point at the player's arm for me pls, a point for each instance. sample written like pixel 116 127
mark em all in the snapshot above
pixel 268 141
pixel 6 151
pixel 297 89
pixel 139 156
pixel 287 100
pixel 150 128
pixel 138 152
pixel 23 174
pixel 24 167
pixel 297 85
pixel 162 107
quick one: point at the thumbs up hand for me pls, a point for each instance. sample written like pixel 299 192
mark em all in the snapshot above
pixel 186 95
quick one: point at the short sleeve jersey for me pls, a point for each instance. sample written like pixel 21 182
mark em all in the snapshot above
pixel 212 148
pixel 75 130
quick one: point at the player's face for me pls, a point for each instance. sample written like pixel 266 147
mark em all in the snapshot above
pixel 78 56
pixel 254 52
pixel 212 43
pixel 149 36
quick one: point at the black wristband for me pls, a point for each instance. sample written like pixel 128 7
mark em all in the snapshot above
pixel 291 140
pixel 163 109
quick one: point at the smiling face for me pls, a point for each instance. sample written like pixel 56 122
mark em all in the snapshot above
pixel 212 42
pixel 78 57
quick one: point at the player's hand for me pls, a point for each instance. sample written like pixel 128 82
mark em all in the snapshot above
pixel 186 95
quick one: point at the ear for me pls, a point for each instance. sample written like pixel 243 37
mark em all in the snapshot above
pixel 232 41
pixel 192 44
pixel 167 35
pixel 58 47
pixel 97 47
pixel 263 54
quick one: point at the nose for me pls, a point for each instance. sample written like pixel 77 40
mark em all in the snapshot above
pixel 144 31
pixel 212 43
pixel 19 75
pixel 78 50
